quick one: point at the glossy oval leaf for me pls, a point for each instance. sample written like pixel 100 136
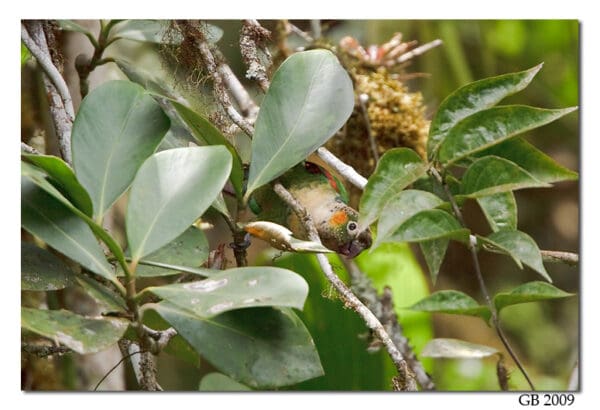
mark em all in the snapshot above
pixel 204 131
pixel 529 292
pixel 500 210
pixel 64 179
pixel 219 382
pixel 237 289
pixel 117 127
pixel 188 249
pixel 260 347
pixel 532 160
pixel 309 99
pixel 42 270
pixel 492 126
pixel 428 225
pixel 453 302
pixel 397 168
pixel 433 252
pixel 171 190
pixel 492 175
pixel 519 246
pixel 47 218
pixel 400 208
pixel 81 334
pixel 457 349
pixel 472 98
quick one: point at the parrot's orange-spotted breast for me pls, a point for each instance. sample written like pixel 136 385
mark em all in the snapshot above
pixel 339 218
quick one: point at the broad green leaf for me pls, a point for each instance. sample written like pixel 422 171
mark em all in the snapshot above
pixel 117 127
pixel 70 25
pixel 500 210
pixel 42 270
pixel 397 168
pixel 493 175
pixel 63 178
pixel 81 334
pixel 48 219
pixel 148 80
pixel 453 302
pixel 428 225
pixel 472 98
pixel 237 289
pixel 400 208
pixel 521 247
pixel 221 206
pixel 108 300
pixel 188 249
pixel 529 292
pixel 38 177
pixel 259 347
pixel 492 126
pixel 457 349
pixel 204 131
pixel 532 160
pixel 309 99
pixel 171 190
pixel 220 382
pixel 433 253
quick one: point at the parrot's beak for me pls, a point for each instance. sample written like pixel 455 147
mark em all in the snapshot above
pixel 352 248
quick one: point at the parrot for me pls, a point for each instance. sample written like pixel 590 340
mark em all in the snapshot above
pixel 325 199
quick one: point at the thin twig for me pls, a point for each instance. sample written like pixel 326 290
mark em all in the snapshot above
pixel 29 149
pixel 342 168
pixel 383 308
pixel 60 102
pixel 251 36
pixel 125 357
pixel 418 51
pixel 44 350
pixel 406 377
pixel 362 101
pixel 473 250
pixel 569 258
pixel 315 27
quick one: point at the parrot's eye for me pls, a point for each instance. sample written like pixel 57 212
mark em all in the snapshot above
pixel 352 226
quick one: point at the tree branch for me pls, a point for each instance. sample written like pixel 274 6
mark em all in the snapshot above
pixel 29 149
pixel 251 36
pixel 44 350
pixel 569 258
pixel 406 380
pixel 60 102
pixel 342 168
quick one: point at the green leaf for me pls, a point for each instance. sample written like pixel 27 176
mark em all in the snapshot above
pixel 108 300
pixel 472 98
pixel 150 81
pixel 397 168
pixel 492 175
pixel 532 160
pixel 204 131
pixel 48 219
pixel 521 247
pixel 260 347
pixel 70 25
pixel 188 249
pixel 309 99
pixel 529 292
pixel 237 289
pixel 117 127
pixel 433 252
pixel 400 208
pixel 221 206
pixel 42 270
pixel 500 210
pixel 457 349
pixel 25 54
pixel 81 334
pixel 171 190
pixel 63 178
pixel 219 382
pixel 453 302
pixel 492 126
pixel 428 225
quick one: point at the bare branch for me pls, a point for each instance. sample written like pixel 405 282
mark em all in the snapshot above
pixel 252 37
pixel 406 378
pixel 569 258
pixel 342 168
pixel 61 104
pixel 418 51
pixel 44 350
pixel 29 149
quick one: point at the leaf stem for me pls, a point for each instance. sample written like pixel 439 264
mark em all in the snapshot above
pixel 473 250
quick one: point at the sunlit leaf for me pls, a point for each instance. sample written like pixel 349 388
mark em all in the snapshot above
pixel 433 252
pixel 453 302
pixel 428 225
pixel 457 349
pixel 309 99
pixel 529 292
pixel 500 210
pixel 42 270
pixel 220 382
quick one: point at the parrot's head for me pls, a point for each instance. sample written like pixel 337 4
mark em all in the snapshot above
pixel 342 233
